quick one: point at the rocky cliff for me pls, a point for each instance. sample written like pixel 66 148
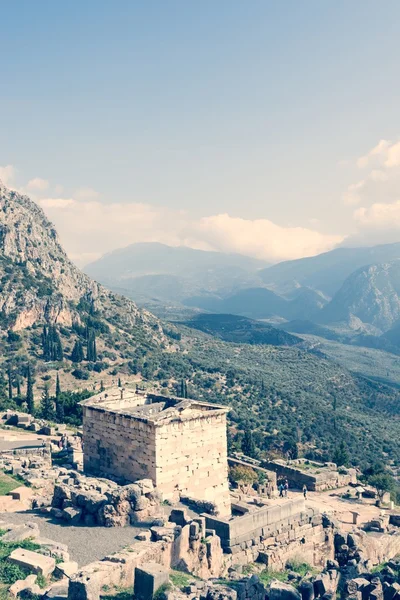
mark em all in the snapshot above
pixel 372 294
pixel 40 284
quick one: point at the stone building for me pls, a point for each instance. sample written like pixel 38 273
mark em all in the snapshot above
pixel 180 444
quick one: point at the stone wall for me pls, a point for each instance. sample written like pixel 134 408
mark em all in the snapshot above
pixel 327 478
pixel 186 547
pixel 274 534
pixel 118 446
pixel 192 460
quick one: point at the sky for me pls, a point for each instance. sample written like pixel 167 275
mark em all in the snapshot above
pixel 261 127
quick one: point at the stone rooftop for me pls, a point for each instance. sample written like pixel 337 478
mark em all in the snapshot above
pixel 151 408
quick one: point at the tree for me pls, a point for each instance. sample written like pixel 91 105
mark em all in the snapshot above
pixel 51 344
pixel 341 455
pixel 58 386
pixel 77 352
pixel 102 386
pixel 119 382
pixel 291 449
pixel 243 476
pixel 60 409
pixel 46 404
pixel 91 351
pixel 183 393
pixel 10 388
pixel 382 483
pixel 248 446
pixel 30 403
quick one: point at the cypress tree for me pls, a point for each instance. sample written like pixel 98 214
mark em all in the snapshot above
pixel 248 446
pixel 119 382
pixel 51 343
pixel 45 346
pixel 102 386
pixel 59 409
pixel 77 352
pixel 18 387
pixel 10 389
pixel 46 405
pixel 91 351
pixel 58 387
pixel 30 403
pixel 94 349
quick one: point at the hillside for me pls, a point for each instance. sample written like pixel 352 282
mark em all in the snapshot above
pixel 152 271
pixel 233 328
pixel 372 294
pixel 41 286
pixel 326 272
pixel 55 321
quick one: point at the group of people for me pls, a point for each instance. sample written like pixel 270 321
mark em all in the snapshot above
pixel 63 442
pixel 284 488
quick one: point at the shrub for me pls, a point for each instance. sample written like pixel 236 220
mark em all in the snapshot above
pixel 80 374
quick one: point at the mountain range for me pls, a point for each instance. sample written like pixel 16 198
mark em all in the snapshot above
pixel 52 315
pixel 153 271
pixel 354 288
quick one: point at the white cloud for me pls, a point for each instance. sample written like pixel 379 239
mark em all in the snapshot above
pixel 7 174
pixel 375 155
pixel 379 216
pixel 260 238
pixel 90 228
pixel 353 194
pixel 393 156
pixel 37 184
pixel 86 193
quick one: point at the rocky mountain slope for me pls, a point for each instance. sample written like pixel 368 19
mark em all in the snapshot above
pixel 39 284
pixel 328 271
pixel 372 294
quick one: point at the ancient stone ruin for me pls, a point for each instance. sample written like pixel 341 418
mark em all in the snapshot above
pixel 179 444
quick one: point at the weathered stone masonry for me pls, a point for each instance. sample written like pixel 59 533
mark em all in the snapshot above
pixel 179 444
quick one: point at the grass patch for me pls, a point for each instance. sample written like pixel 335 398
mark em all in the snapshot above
pixel 10 573
pixel 302 568
pixel 117 593
pixel 7 484
pixel 268 575
pixel 180 579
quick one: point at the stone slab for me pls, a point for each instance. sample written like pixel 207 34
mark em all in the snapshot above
pixel 32 561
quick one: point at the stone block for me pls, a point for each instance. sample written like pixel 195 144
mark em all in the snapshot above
pixel 67 568
pixel 58 591
pixel 21 584
pixel 72 515
pixel 32 561
pixel 21 532
pixel 148 579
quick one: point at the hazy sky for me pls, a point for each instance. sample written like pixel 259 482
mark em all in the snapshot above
pixel 265 127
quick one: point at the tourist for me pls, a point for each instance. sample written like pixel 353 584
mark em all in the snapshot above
pixel 286 486
pixel 305 491
pixel 281 488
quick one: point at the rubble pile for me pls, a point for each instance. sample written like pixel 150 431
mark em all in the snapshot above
pixel 94 501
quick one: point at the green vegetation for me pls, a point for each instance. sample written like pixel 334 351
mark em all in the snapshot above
pixel 7 484
pixel 10 573
pixel 180 579
pixel 117 593
pixel 162 591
